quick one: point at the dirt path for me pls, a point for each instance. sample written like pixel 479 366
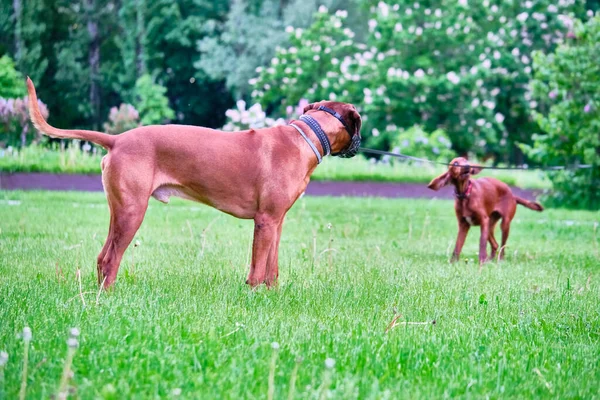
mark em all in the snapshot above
pixel 93 183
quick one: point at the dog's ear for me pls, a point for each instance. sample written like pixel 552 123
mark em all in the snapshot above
pixel 311 106
pixel 354 120
pixel 440 181
pixel 475 169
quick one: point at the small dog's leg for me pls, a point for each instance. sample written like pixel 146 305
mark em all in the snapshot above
pixel 492 239
pixel 505 227
pixel 485 232
pixel 463 229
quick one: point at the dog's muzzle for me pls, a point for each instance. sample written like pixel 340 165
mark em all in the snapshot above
pixel 351 150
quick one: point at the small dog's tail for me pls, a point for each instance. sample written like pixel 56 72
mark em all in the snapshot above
pixel 529 204
pixel 104 140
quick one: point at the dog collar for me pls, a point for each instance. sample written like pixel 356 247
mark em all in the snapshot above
pixel 316 128
pixel 466 194
pixel 311 144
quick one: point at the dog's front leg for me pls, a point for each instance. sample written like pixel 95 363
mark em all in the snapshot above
pixel 266 229
pixel 273 259
pixel 463 229
pixel 485 231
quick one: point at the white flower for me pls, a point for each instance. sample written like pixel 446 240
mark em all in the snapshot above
pixel 398 27
pixel 341 13
pixel 323 9
pixel 72 343
pixel 384 8
pixel 329 363
pixel 453 77
pixel 480 122
pixel 486 63
pixel 27 334
pixel 3 358
pixel 475 102
pixel 316 57
pixel 408 11
pixel 494 8
pixel 289 29
pixel 372 24
pixel 375 132
pixel 515 52
pixel 489 104
pixel 419 31
pixel 522 17
pixel 275 346
pixel 419 73
pixel 74 332
pixel 438 13
pixel 463 3
pixel 525 59
pixel 499 118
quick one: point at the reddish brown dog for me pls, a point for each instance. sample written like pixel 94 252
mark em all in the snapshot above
pixel 255 174
pixel 483 202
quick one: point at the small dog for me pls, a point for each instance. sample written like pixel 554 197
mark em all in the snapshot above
pixel 254 174
pixel 483 202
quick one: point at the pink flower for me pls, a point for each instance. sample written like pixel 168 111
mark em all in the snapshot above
pixel 587 108
pixel 552 95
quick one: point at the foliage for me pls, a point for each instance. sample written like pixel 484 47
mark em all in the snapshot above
pixel 12 84
pixel 53 159
pixel 73 161
pixel 239 119
pixel 567 87
pixel 122 119
pixel 15 127
pixel 461 67
pixel 151 102
pixel 416 142
pixel 181 322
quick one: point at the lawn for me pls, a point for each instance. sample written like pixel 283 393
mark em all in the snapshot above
pixel 73 161
pixel 181 322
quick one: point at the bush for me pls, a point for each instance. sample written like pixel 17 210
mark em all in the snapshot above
pixel 12 84
pixel 462 66
pixel 151 102
pixel 15 127
pixel 567 88
pixel 239 119
pixel 435 146
pixel 122 119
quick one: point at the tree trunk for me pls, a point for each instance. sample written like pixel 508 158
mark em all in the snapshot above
pixel 17 8
pixel 140 45
pixel 94 61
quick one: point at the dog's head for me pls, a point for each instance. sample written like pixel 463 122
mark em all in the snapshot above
pixel 345 138
pixel 459 169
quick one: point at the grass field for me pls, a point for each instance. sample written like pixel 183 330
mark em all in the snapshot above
pixel 180 321
pixel 73 161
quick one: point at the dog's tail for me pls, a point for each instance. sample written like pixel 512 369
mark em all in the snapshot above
pixel 104 140
pixel 529 204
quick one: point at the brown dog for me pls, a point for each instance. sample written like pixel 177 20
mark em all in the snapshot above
pixel 255 174
pixel 483 202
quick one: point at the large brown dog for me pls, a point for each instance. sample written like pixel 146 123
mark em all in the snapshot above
pixel 255 174
pixel 483 202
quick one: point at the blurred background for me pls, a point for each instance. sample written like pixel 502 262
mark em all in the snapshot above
pixel 503 82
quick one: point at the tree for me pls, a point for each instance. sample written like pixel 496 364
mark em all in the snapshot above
pixel 567 89
pixel 151 102
pixel 12 84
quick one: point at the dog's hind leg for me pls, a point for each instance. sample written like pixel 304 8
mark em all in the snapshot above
pixel 126 219
pixel 505 227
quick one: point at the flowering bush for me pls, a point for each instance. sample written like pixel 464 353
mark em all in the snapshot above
pixel 122 119
pixel 311 67
pixel 462 67
pixel 15 127
pixel 418 143
pixel 567 88
pixel 239 119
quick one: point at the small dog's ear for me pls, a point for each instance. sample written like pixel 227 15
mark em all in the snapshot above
pixel 309 107
pixel 475 169
pixel 440 181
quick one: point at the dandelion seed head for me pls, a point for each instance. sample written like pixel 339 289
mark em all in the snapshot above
pixel 329 363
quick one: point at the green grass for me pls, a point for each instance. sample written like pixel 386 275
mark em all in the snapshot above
pixel 73 161
pixel 180 317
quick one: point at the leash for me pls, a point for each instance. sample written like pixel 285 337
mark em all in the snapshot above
pixel 423 160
